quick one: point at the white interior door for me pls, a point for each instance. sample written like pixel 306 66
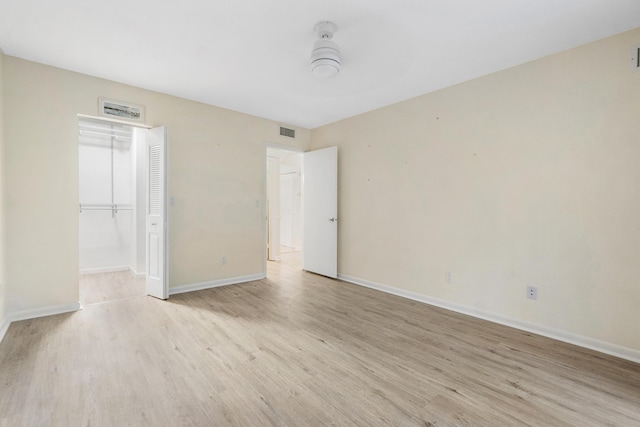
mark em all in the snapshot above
pixel 156 207
pixel 320 212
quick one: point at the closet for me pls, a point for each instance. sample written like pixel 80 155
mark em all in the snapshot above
pixel 111 197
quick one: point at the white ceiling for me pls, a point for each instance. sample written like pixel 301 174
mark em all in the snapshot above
pixel 252 55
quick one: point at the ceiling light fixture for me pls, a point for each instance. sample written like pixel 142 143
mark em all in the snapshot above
pixel 325 56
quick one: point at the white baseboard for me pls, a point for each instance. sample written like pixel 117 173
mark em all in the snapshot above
pixel 216 283
pixel 4 327
pixel 136 274
pixel 565 336
pixel 34 313
pixel 43 311
pixel 105 269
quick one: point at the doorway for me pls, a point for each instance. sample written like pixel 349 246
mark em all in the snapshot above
pixel 284 206
pixel 314 202
pixel 122 190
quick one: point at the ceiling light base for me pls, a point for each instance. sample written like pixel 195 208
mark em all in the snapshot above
pixel 325 29
pixel 325 57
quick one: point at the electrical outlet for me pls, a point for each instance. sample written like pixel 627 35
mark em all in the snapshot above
pixel 448 277
pixel 532 292
pixel 223 260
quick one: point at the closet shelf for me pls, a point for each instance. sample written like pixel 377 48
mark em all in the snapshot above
pixel 114 208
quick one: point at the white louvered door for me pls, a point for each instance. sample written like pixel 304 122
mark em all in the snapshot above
pixel 156 241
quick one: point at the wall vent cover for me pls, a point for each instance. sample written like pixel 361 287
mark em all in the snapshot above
pixel 120 110
pixel 289 133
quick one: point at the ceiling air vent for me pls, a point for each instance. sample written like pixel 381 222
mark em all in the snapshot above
pixel 289 133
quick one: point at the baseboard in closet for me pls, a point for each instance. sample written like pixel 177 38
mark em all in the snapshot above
pixel 106 269
pixel 136 274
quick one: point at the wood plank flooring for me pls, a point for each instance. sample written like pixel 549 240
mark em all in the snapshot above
pixel 104 287
pixel 298 349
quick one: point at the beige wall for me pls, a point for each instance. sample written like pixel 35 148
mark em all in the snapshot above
pixel 529 176
pixel 3 288
pixel 216 174
pixel 524 177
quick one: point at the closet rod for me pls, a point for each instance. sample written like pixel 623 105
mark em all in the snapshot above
pixel 108 135
pixel 114 208
pixel 103 129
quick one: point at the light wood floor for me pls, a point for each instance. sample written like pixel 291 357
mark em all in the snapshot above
pixel 301 350
pixel 106 287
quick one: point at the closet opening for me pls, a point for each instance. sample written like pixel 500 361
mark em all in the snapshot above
pixel 112 210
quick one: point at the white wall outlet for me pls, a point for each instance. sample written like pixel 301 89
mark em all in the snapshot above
pixel 223 260
pixel 532 292
pixel 448 277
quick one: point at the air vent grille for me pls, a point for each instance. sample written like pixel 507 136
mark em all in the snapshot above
pixel 289 133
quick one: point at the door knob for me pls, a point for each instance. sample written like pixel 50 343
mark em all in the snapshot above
pixel 332 219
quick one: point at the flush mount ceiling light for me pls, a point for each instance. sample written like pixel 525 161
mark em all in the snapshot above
pixel 325 56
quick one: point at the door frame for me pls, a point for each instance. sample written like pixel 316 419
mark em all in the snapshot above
pixel 273 174
pixel 265 225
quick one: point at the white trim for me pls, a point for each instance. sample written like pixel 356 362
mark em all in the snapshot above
pixel 136 274
pixel 165 207
pixel 560 335
pixel 108 119
pixel 216 283
pixel 44 311
pixel 284 147
pixel 4 327
pixel 111 269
